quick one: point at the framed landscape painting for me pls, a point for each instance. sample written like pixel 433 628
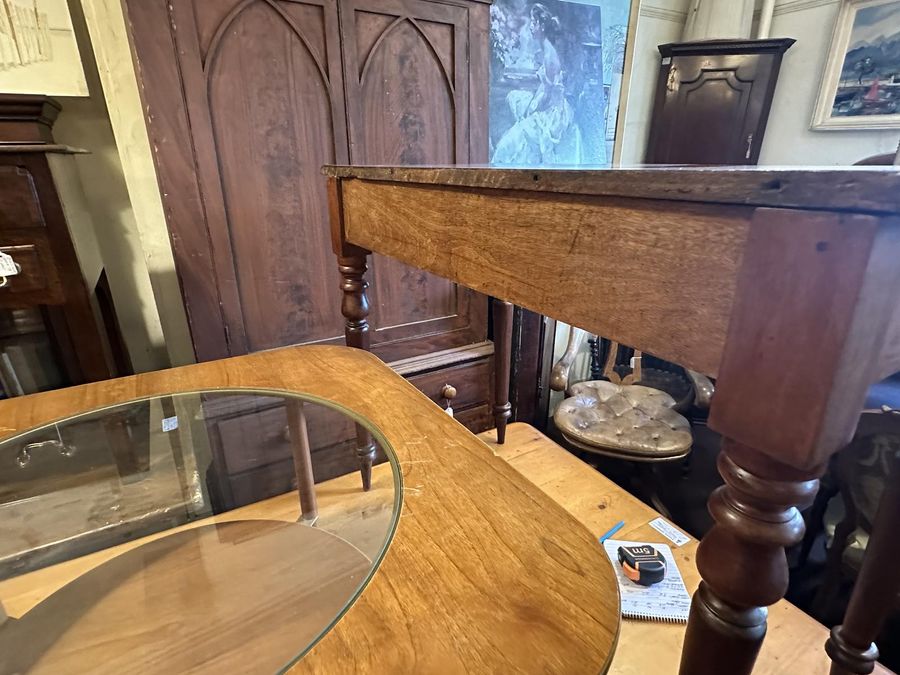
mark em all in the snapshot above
pixel 861 86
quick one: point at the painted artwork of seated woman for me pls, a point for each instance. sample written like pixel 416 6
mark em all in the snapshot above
pixel 544 132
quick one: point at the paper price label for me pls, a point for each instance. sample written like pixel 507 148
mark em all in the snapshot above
pixel 8 266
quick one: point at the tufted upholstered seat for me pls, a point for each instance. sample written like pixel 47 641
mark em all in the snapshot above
pixel 623 421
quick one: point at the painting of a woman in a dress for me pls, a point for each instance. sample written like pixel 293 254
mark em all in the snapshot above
pixel 544 117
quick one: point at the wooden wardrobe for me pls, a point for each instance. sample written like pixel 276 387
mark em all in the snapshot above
pixel 245 101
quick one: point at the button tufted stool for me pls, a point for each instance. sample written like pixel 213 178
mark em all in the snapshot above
pixel 624 421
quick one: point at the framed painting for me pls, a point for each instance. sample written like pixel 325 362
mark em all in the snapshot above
pixel 861 85
pixel 38 51
pixel 557 72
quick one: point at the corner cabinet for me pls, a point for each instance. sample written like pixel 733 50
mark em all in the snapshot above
pixel 245 101
pixel 712 101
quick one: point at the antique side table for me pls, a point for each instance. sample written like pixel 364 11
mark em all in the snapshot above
pixel 781 283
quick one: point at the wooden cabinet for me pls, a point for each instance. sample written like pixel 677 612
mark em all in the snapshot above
pixel 245 101
pixel 57 321
pixel 712 101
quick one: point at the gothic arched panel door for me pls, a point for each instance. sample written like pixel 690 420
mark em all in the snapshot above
pixel 247 99
pixel 416 95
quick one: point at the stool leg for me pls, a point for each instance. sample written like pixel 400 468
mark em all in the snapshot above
pixel 851 645
pixel 306 483
pixel 503 320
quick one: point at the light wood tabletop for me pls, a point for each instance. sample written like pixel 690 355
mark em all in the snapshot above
pixel 473 580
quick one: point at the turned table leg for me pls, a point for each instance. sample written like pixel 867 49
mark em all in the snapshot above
pixel 303 468
pixel 851 645
pixel 503 322
pixel 355 308
pixel 742 559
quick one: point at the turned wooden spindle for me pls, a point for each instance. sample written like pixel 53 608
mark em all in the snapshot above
pixel 355 308
pixel 303 468
pixel 851 645
pixel 503 323
pixel 742 559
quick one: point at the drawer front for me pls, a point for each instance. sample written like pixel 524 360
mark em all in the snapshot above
pixel 472 382
pixel 38 282
pixel 253 451
pixel 19 206
pixel 250 441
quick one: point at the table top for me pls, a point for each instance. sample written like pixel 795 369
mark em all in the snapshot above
pixel 860 189
pixel 479 557
pixel 88 483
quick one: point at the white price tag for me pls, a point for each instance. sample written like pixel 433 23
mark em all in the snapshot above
pixel 449 411
pixel 169 423
pixel 666 529
pixel 8 266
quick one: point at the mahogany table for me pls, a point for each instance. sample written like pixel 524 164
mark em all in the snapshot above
pixel 781 283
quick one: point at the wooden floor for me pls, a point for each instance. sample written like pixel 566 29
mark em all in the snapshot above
pixel 794 643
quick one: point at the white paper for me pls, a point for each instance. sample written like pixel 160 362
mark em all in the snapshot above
pixel 666 601
pixel 169 423
pixel 8 266
pixel 669 531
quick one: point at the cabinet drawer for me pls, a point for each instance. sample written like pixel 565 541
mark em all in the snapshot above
pixel 19 206
pixel 255 439
pixel 38 282
pixel 472 382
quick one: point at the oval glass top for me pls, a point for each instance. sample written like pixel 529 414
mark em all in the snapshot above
pixel 223 530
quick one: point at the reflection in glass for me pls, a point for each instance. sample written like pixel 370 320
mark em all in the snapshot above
pixel 93 512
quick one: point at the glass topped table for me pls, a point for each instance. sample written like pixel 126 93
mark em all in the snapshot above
pixel 161 533
pixel 167 534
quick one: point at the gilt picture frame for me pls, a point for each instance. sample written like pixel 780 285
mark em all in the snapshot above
pixel 861 83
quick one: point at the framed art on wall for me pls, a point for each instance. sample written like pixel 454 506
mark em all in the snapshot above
pixel 38 51
pixel 556 77
pixel 861 85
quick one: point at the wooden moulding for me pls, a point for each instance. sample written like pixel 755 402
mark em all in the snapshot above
pixel 485 572
pixel 655 275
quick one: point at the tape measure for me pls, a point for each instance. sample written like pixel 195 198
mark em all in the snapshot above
pixel 644 565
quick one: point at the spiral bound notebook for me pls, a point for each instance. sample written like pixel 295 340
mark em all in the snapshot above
pixel 666 601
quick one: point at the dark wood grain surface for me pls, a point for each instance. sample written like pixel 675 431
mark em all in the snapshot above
pixel 239 156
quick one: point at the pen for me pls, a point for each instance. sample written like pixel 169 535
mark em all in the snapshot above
pixel 615 528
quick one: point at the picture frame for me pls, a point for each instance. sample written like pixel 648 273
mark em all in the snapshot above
pixel 38 49
pixel 861 83
pixel 558 71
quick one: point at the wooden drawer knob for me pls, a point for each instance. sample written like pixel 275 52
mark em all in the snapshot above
pixel 448 392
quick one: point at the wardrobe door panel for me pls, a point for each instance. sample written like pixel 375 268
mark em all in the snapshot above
pixel 260 82
pixel 407 83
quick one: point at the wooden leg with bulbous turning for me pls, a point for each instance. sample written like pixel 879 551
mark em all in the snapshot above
pixel 851 645
pixel 742 559
pixel 355 308
pixel 503 325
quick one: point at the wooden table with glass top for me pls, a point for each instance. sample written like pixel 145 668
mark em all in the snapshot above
pixel 452 562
